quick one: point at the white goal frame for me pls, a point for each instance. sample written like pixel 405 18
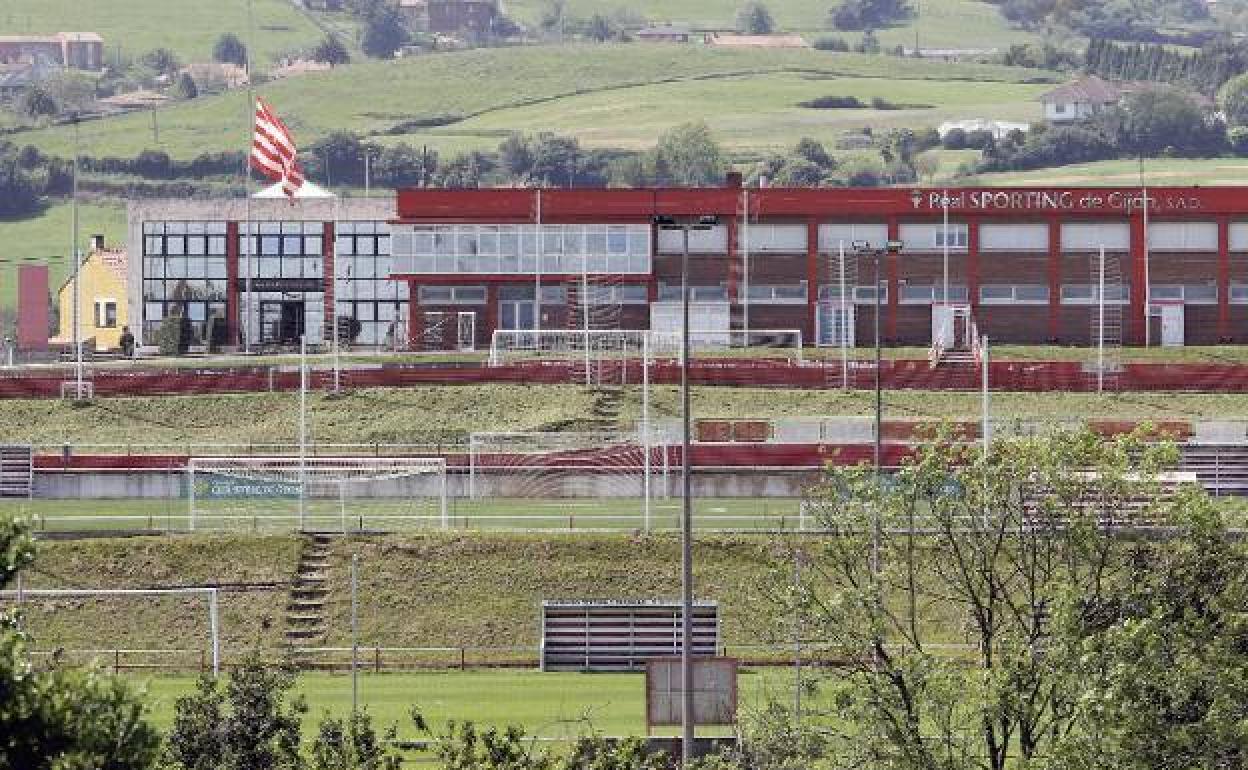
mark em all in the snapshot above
pixel 643 439
pixel 214 626
pixel 301 471
pixel 624 343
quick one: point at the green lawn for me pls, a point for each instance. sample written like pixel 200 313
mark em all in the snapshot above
pixel 552 706
pixel 749 113
pixel 489 514
pixel 188 27
pixel 376 96
pixel 46 239
pixel 940 23
pixel 1157 171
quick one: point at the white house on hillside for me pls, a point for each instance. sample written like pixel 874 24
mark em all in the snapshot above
pixel 1079 99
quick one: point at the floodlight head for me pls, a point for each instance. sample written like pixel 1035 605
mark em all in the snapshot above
pixel 860 246
pixel 895 247
pixel 709 220
pixel 663 220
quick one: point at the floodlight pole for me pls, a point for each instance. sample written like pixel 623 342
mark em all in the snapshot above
pixel 844 321
pixel 879 420
pixel 645 427
pixel 686 522
pixel 75 251
pixel 1100 324
pixel 303 428
pixel 355 634
pixel 987 427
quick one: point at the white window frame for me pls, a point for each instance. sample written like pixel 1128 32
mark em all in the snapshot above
pixel 987 231
pixel 1121 241
pixel 958 293
pixel 833 234
pixel 456 295
pixel 101 313
pixel 766 294
pixel 930 236
pixel 1184 236
pixel 1013 299
pixel 1177 292
pixel 1242 290
pixel 1091 299
pixel 770 238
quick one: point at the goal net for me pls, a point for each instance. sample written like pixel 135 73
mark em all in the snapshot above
pixel 558 480
pixel 316 493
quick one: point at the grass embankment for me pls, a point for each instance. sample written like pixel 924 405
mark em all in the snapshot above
pixel 478 590
pixel 446 415
pixel 1156 172
pixel 188 27
pixel 374 97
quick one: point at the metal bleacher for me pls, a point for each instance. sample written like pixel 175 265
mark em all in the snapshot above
pixel 1222 469
pixel 17 473
pixel 621 635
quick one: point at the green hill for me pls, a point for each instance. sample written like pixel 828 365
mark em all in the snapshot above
pixel 188 27
pixel 752 95
pixel 939 23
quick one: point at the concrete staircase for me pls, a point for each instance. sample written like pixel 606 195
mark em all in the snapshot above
pixel 1222 469
pixel 305 610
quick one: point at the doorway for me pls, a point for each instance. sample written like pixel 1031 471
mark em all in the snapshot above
pixel 281 323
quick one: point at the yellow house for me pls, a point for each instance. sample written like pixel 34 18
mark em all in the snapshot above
pixel 102 299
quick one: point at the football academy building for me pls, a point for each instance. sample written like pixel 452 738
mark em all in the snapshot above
pixel 429 269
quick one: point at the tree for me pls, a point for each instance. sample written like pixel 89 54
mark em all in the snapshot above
pixel 516 156
pixel 185 87
pixel 869 14
pixel 37 102
pixel 990 546
pixel 754 18
pixel 688 156
pixel 249 726
pixel 383 33
pixel 1162 674
pixel 1233 99
pixel 353 744
pixel 61 719
pixel 162 60
pixel 332 51
pixel 601 28
pixel 229 49
pixel 1154 121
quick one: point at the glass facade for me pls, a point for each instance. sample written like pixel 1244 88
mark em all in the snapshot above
pixel 362 287
pixel 281 272
pixel 184 274
pixel 514 249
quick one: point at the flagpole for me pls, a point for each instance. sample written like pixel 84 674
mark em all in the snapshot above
pixel 245 329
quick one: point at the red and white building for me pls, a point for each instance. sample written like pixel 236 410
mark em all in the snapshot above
pixel 1024 263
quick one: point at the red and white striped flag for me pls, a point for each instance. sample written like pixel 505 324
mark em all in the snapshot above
pixel 273 151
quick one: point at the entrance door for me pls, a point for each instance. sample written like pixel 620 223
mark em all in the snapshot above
pixel 517 314
pixel 467 331
pixel 281 323
pixel 835 324
pixel 1172 326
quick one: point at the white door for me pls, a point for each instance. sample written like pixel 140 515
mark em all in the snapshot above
pixel 467 341
pixel 1172 326
pixel 942 326
pixel 835 324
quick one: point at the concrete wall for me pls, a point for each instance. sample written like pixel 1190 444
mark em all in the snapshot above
pixel 730 482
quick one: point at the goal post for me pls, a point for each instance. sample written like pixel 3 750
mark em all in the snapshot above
pixel 214 625
pixel 316 493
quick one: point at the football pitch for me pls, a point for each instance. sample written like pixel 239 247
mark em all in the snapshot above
pixel 566 515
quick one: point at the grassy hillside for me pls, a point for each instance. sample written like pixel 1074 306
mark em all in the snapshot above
pixel 373 97
pixel 1156 171
pixel 940 23
pixel 189 27
pixel 449 413
pixel 46 239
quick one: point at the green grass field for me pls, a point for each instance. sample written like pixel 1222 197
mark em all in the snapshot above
pixel 187 27
pixel 376 96
pixel 940 23
pixel 47 239
pixel 550 706
pixel 487 514
pixel 1156 171
pixel 446 415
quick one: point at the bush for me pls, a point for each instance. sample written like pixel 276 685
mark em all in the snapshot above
pixel 834 103
pixel 831 43
pixel 174 337
pixel 954 139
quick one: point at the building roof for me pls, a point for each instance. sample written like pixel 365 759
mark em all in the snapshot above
pixel 1086 90
pixel 665 30
pixel 58 38
pixel 135 100
pixel 308 190
pixel 757 41
pixel 296 67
